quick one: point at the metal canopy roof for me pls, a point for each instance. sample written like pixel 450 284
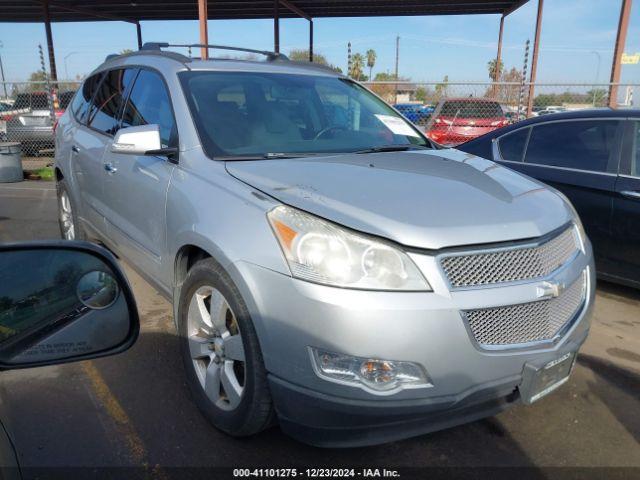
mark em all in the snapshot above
pixel 136 10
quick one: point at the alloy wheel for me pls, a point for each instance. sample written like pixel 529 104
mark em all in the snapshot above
pixel 216 348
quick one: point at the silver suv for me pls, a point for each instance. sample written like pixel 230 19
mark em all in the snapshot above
pixel 328 268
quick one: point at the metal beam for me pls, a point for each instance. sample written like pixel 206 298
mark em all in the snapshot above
pixel 514 7
pixel 311 40
pixel 47 29
pixel 534 58
pixel 91 13
pixel 499 55
pixel 139 34
pixel 203 16
pixel 295 9
pixel 621 38
pixel 276 26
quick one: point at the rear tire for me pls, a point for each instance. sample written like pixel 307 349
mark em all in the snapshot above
pixel 70 227
pixel 221 354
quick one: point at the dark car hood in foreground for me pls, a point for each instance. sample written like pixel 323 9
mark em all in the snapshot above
pixel 427 199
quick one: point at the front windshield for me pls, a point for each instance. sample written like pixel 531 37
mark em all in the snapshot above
pixel 246 114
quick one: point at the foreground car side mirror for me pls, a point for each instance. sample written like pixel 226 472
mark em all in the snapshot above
pixel 62 301
pixel 141 140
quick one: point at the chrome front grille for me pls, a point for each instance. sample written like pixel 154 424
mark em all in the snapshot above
pixel 510 264
pixel 527 322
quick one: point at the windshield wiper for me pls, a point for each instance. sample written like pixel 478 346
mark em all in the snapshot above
pixel 393 148
pixel 264 156
pixel 275 155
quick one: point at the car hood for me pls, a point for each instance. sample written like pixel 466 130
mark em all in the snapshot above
pixel 426 199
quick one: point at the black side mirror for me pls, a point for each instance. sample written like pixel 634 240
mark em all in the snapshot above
pixel 62 301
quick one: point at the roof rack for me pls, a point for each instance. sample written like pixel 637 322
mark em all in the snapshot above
pixel 271 56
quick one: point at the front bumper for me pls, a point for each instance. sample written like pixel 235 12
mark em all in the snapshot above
pixel 427 328
pixel 330 421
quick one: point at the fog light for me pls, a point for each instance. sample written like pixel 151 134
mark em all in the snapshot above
pixel 371 373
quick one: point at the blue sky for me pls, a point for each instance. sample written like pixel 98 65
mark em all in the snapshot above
pixel 430 47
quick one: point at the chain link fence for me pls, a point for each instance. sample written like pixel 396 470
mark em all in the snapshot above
pixel 454 112
pixel 28 112
pixel 449 112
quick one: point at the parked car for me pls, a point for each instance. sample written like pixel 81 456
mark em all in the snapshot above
pixel 457 120
pixel 29 122
pixel 59 302
pixel 593 157
pixel 416 113
pixel 327 267
pixel 548 110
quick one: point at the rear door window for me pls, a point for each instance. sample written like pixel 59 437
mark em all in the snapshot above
pixel 149 104
pixel 109 99
pixel 512 145
pixel 583 144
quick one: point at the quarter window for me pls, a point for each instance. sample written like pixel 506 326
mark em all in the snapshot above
pixel 108 100
pixel 82 99
pixel 512 145
pixel 149 104
pixel 583 145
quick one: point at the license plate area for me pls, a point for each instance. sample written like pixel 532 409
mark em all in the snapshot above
pixel 538 382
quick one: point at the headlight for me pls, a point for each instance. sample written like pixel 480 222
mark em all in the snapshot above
pixel 321 252
pixel 579 228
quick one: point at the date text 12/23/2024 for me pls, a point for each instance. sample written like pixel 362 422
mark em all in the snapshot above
pixel 315 473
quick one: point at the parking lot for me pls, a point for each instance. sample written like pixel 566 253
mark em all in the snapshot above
pixel 134 409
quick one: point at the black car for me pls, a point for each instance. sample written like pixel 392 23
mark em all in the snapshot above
pixel 593 157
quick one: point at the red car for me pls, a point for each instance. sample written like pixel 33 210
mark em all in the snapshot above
pixel 457 120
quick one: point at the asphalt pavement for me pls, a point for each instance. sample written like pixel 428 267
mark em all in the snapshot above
pixel 134 409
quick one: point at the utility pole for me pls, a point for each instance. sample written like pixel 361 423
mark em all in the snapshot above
pixel 2 75
pixel 595 83
pixel 524 76
pixel 621 37
pixel 396 72
pixel 349 59
pixel 534 58
pixel 50 98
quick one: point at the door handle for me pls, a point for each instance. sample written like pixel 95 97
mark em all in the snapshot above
pixel 630 194
pixel 75 149
pixel 110 168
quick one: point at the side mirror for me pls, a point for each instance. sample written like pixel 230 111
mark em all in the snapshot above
pixel 62 301
pixel 142 140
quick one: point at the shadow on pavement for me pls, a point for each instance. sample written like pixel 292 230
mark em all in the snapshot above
pixel 626 382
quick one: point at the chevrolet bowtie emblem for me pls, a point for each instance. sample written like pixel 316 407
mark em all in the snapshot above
pixel 549 289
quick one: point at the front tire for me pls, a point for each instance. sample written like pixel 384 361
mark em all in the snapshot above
pixel 221 354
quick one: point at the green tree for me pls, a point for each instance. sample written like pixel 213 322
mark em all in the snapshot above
pixel 302 55
pixel 40 77
pixel 598 97
pixel 5 303
pixel 357 67
pixel 125 51
pixel 371 60
pixel 491 66
pixel 442 88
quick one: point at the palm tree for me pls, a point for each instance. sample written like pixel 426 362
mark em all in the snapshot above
pixel 357 66
pixel 371 61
